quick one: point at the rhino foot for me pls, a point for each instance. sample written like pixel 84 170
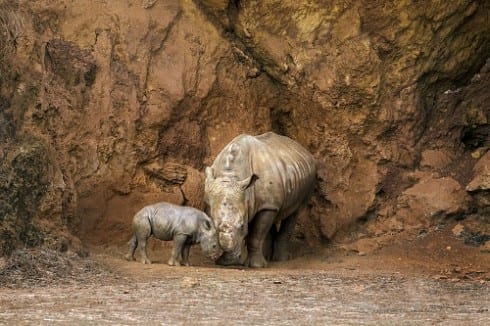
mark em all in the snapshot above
pixel 256 261
pixel 173 262
pixel 129 258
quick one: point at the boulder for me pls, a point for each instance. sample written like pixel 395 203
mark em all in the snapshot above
pixel 429 199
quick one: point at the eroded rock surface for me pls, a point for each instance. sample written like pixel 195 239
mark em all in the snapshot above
pixel 131 99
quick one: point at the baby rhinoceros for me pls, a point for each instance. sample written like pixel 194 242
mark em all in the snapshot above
pixel 182 224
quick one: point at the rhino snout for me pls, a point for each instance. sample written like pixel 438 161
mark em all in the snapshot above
pixel 215 252
pixel 229 259
pixel 225 228
pixel 227 241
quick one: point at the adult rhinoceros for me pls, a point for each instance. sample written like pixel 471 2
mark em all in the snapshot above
pixel 255 183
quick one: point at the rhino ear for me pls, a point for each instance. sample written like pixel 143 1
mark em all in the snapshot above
pixel 209 173
pixel 248 182
pixel 207 225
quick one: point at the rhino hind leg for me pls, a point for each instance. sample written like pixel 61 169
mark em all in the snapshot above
pixel 281 244
pixel 132 243
pixel 142 250
pixel 185 254
pixel 268 247
pixel 142 231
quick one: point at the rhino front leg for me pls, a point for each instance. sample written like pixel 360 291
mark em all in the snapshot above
pixel 261 225
pixel 177 250
pixel 281 245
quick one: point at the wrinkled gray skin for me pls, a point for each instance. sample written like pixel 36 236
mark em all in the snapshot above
pixel 184 225
pixel 253 191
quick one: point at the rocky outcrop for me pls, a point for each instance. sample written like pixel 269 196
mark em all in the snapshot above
pixel 479 186
pixel 131 99
pixel 34 195
pixel 481 175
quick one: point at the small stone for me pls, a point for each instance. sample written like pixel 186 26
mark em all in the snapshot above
pixel 147 4
pixel 448 248
pixel 253 72
pixel 190 282
pixel 458 229
pixel 485 248
pixel 476 154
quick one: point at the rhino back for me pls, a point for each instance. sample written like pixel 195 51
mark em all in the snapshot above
pixel 285 169
pixel 167 219
pixel 288 171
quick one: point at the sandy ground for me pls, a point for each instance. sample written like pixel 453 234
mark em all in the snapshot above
pixel 434 280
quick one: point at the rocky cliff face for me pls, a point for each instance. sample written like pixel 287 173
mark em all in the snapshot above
pixel 107 106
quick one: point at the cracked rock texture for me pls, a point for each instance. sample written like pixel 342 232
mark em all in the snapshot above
pixel 107 106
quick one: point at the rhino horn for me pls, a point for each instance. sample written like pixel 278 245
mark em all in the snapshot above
pixel 209 173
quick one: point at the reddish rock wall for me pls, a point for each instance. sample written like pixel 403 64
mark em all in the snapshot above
pixel 123 103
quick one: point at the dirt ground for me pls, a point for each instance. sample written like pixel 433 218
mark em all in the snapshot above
pixel 435 279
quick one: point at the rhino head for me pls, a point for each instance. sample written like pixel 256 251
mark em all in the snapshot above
pixel 208 238
pixel 226 200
